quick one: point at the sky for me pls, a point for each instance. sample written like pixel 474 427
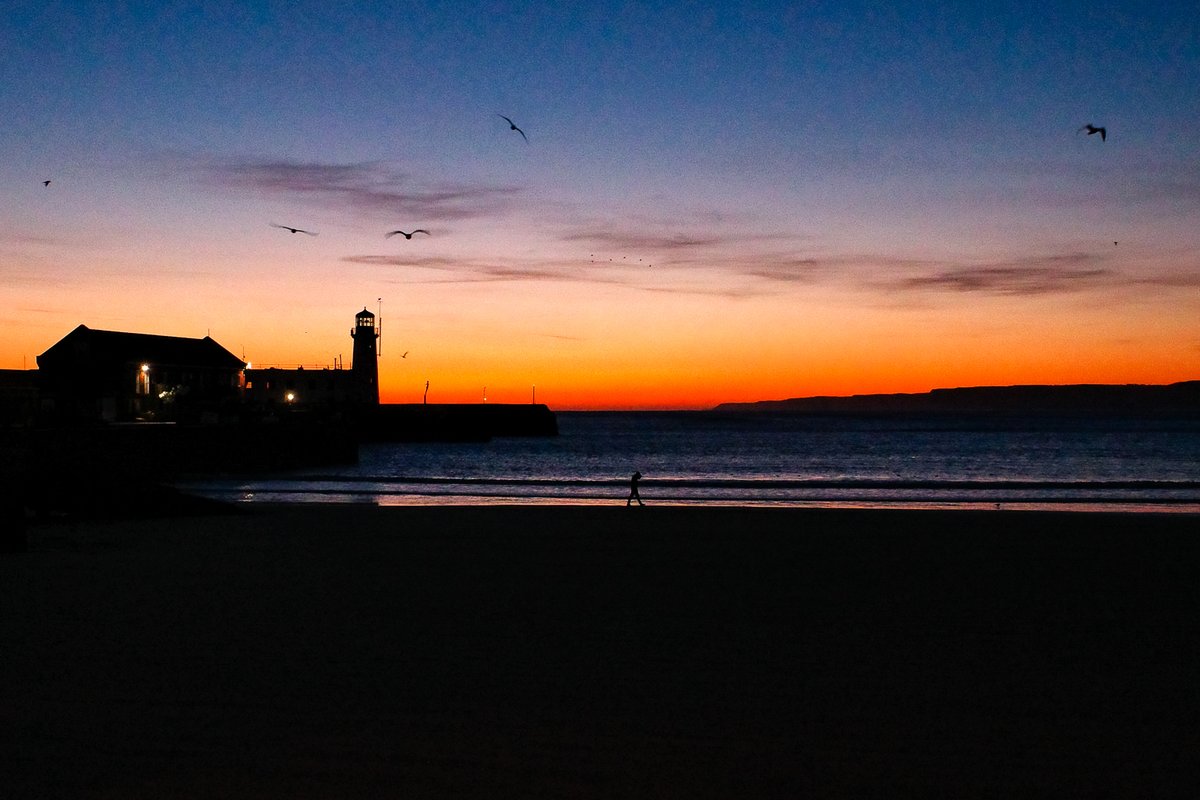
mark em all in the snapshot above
pixel 711 203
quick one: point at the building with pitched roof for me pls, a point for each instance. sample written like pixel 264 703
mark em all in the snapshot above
pixel 114 376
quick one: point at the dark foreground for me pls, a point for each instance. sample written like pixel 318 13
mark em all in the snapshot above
pixel 351 651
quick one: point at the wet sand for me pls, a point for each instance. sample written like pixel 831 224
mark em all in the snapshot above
pixel 353 651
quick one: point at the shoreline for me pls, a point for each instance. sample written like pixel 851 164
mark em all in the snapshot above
pixel 249 493
pixel 357 651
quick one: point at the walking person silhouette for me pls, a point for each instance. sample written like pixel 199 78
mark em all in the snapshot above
pixel 633 490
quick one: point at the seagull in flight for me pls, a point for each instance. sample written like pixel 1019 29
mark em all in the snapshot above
pixel 512 126
pixel 45 183
pixel 1090 128
pixel 293 230
pixel 405 354
pixel 390 234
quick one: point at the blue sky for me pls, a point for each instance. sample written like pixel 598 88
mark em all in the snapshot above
pixel 822 155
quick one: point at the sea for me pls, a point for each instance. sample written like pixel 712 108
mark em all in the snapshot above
pixel 764 459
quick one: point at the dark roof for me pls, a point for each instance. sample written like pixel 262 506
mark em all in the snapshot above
pixel 118 346
pixel 364 313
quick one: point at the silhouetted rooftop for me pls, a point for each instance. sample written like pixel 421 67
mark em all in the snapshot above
pixel 109 346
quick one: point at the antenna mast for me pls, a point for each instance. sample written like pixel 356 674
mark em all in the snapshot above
pixel 379 330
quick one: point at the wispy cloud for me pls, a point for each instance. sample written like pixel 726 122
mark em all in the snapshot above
pixel 1182 280
pixel 1035 275
pixel 1172 184
pixel 634 276
pixel 746 275
pixel 690 233
pixel 364 186
pixel 624 240
pixel 707 257
pixel 465 270
pixel 847 268
pixel 561 337
pixel 1029 276
pixel 738 292
pixel 1010 280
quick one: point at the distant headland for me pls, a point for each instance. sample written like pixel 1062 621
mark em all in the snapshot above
pixel 1176 400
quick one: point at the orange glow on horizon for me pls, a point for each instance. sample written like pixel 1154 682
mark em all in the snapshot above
pixel 693 377
pixel 701 369
pixel 568 393
pixel 596 348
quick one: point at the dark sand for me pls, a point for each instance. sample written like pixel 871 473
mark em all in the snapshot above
pixel 351 651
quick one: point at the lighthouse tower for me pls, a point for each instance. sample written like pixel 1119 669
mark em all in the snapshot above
pixel 365 364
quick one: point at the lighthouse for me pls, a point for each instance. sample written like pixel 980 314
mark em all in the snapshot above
pixel 365 363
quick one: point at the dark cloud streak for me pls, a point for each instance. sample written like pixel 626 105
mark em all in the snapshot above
pixel 635 241
pixel 365 186
pixel 1183 280
pixel 1010 280
pixel 1036 275
pixel 471 271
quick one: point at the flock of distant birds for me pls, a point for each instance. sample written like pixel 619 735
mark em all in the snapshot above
pixel 1089 128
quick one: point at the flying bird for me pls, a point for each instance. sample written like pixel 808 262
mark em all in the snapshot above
pixel 390 234
pixel 293 230
pixel 1090 128
pixel 405 354
pixel 513 127
pixel 45 183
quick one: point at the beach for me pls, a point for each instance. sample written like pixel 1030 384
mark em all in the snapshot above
pixel 557 651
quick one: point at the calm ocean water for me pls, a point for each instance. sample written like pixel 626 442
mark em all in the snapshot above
pixel 760 459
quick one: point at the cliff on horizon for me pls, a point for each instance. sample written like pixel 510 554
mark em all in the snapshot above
pixel 1135 400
